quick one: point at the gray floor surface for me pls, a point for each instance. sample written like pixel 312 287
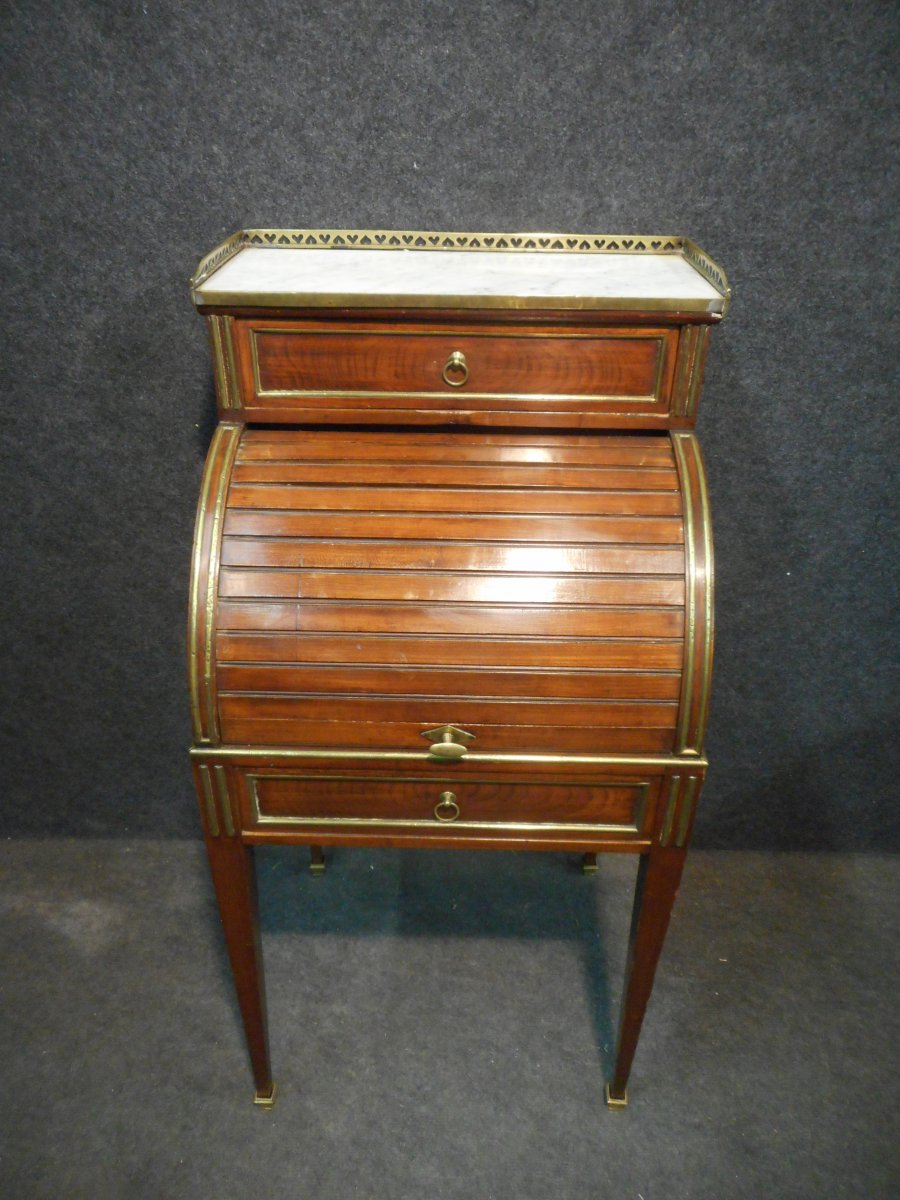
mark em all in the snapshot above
pixel 440 1028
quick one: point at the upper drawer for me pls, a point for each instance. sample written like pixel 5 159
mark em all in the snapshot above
pixel 362 371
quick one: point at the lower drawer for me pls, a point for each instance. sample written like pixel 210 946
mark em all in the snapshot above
pixel 333 803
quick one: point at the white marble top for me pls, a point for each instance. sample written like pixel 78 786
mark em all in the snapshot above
pixel 267 276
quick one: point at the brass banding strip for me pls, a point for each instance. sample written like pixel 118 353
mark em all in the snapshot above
pixel 230 364
pixel 224 799
pixel 687 809
pixel 546 397
pixel 278 753
pixel 706 665
pixel 681 381
pixel 698 359
pixel 212 819
pixel 671 801
pixel 215 339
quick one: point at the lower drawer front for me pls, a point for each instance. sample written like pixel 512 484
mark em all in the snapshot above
pixel 447 805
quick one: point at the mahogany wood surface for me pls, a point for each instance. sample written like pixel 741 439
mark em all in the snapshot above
pixel 316 795
pixel 659 874
pixel 379 554
pixel 618 362
pixel 548 370
pixel 575 604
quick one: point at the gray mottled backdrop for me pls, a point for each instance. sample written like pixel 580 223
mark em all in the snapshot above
pixel 138 135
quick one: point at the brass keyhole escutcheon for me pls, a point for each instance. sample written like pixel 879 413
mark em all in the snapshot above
pixel 456 370
pixel 446 808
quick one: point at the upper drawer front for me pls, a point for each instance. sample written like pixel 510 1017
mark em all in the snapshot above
pixel 310 371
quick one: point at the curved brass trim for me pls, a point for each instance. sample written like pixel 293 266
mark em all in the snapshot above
pixel 682 730
pixel 196 567
pixel 709 602
pixel 232 437
pixel 690 730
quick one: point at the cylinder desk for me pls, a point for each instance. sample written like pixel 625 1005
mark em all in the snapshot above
pixel 452 570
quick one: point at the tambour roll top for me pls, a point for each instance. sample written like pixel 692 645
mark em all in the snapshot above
pixel 371 586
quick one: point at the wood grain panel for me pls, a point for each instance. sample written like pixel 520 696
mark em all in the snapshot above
pixel 289 360
pixel 479 620
pixel 285 678
pixel 503 589
pixel 357 606
pixel 459 449
pixel 595 654
pixel 293 497
pixel 506 739
pixel 468 475
pixel 471 526
pixel 412 556
pixel 620 714
pixel 347 798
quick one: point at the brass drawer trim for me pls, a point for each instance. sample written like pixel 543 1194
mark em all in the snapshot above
pixel 636 762
pixel 261 818
pixel 336 394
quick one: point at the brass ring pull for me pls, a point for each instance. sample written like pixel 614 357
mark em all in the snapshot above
pixel 446 808
pixel 456 370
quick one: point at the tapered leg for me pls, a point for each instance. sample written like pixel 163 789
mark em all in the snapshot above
pixel 659 874
pixel 589 864
pixel 234 878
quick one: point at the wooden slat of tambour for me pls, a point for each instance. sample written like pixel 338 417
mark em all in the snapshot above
pixel 485 526
pixel 554 685
pixel 614 714
pixel 495 653
pixel 291 445
pixel 511 739
pixel 295 497
pixel 415 556
pixel 456 588
pixel 475 620
pixel 470 475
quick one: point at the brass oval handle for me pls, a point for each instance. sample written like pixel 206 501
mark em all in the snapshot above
pixel 456 370
pixel 446 808
pixel 447 747
pixel 448 741
pixel 448 750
